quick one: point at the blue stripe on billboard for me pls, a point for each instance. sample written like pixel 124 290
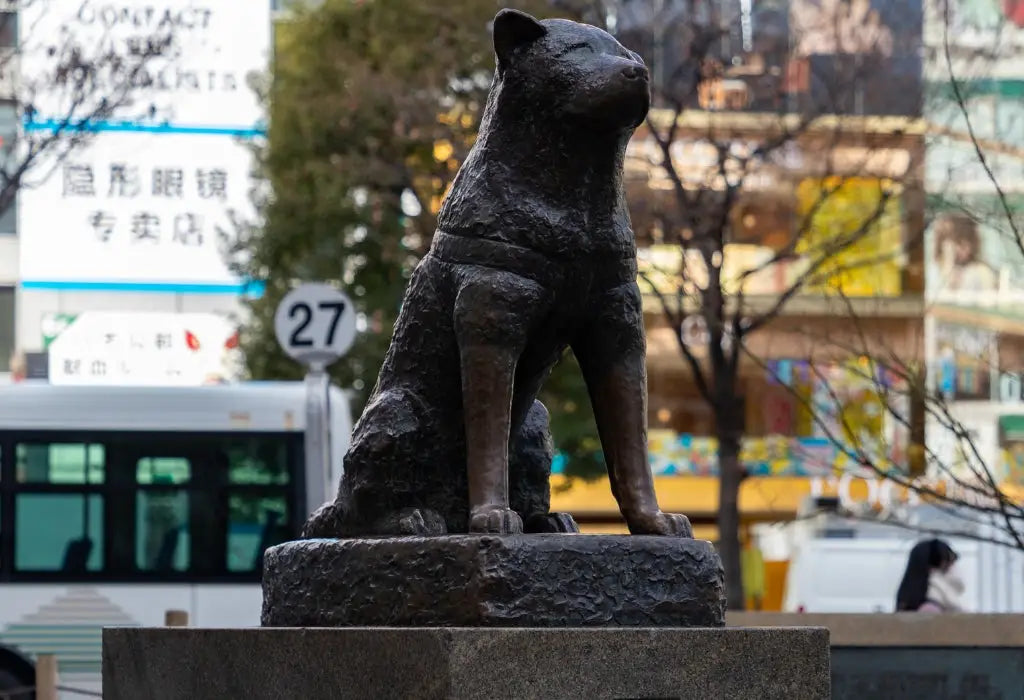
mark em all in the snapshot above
pixel 249 289
pixel 251 131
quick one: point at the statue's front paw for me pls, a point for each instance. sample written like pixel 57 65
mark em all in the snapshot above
pixel 660 523
pixel 495 520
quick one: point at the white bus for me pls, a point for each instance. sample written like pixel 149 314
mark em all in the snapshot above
pixel 119 503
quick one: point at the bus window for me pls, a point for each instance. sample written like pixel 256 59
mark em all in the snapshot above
pixel 163 470
pixel 58 532
pixel 162 535
pixel 59 463
pixel 258 462
pixel 58 509
pixel 257 505
pixel 161 531
pixel 255 523
pixel 210 506
pixel 3 546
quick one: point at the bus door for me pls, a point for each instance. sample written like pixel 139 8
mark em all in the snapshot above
pixel 178 512
pixel 204 504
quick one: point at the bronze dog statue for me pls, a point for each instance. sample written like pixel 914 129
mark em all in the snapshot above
pixel 534 253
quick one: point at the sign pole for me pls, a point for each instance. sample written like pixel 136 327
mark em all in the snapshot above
pixel 317 436
pixel 315 324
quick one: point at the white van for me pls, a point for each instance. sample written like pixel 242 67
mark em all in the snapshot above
pixel 838 565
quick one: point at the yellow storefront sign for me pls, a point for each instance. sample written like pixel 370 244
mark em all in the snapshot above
pixel 766 499
pixel 854 225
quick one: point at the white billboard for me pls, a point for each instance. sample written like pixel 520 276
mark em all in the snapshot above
pixel 160 188
pixel 188 60
pixel 140 208
pixel 145 349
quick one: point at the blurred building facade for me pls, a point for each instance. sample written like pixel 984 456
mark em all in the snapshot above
pixel 878 69
pixel 973 246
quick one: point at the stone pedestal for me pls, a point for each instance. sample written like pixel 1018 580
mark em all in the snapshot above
pixel 463 663
pixel 492 581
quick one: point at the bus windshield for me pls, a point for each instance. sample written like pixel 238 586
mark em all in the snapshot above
pixel 133 506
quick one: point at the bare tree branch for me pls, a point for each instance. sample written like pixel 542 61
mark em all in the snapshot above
pixel 961 102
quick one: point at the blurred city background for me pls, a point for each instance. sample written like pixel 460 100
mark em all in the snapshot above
pixel 828 201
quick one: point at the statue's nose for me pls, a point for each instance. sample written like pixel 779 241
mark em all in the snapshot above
pixel 635 72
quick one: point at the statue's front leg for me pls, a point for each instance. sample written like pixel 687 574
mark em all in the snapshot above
pixel 611 353
pixel 494 313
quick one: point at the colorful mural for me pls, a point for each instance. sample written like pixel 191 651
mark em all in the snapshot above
pixel 808 412
pixel 674 454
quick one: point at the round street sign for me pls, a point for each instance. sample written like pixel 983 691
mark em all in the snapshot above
pixel 315 324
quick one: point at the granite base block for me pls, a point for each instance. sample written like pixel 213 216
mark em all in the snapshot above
pixel 494 581
pixel 464 663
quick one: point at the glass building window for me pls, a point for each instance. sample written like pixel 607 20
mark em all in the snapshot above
pixel 8 140
pixel 8 29
pixel 8 214
pixel 6 327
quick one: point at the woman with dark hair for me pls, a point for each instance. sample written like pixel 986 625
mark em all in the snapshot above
pixel 929 584
pixel 958 253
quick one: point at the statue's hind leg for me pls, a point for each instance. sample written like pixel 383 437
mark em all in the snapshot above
pixel 386 488
pixel 411 521
pixel 329 522
pixel 530 467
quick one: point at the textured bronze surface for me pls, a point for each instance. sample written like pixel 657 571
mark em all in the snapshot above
pixel 534 253
pixel 492 581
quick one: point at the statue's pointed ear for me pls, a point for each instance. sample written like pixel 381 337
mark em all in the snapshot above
pixel 513 29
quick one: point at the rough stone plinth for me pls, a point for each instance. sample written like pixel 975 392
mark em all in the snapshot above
pixel 462 663
pixel 494 581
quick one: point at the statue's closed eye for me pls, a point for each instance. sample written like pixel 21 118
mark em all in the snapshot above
pixel 574 47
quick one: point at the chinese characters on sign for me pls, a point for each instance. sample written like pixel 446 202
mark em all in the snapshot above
pixel 114 344
pixel 140 208
pixel 152 197
pixel 145 348
pixel 142 226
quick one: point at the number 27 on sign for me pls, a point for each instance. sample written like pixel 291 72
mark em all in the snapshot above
pixel 301 308
pixel 315 324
